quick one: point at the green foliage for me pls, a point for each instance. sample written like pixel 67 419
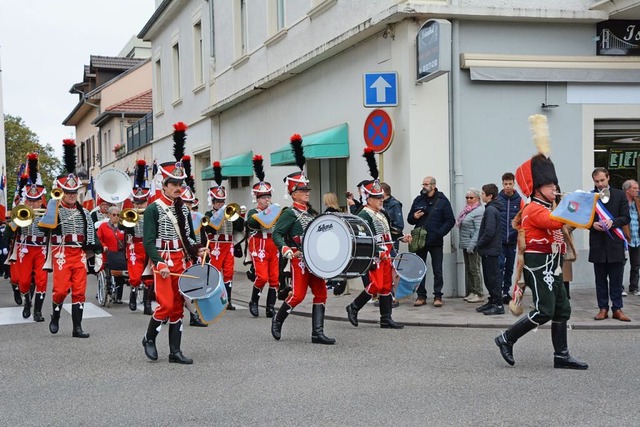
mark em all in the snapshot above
pixel 19 141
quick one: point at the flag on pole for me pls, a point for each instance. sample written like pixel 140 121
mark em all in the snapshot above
pixel 90 196
pixel 3 197
pixel 577 209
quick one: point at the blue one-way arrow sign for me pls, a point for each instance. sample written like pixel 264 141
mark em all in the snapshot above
pixel 380 89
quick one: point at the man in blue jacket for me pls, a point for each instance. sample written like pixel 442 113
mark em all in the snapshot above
pixel 432 211
pixel 511 201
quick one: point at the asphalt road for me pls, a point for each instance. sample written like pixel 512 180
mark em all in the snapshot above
pixel 242 376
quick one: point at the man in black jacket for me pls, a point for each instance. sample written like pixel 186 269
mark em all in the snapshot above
pixel 489 247
pixel 432 211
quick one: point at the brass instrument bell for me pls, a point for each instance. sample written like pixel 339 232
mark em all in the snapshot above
pixel 130 217
pixel 57 193
pixel 232 212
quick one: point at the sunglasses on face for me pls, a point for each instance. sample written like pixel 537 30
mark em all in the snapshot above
pixel 469 197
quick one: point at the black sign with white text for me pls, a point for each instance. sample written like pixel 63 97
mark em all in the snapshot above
pixel 619 38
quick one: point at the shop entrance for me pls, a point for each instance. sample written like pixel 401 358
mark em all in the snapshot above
pixel 617 147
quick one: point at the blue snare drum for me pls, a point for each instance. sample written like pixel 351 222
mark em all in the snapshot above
pixel 207 291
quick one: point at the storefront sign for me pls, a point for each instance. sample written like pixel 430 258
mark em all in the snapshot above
pixel 618 37
pixel 623 159
pixel 433 44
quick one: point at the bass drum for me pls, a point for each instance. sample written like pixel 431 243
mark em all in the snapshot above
pixel 338 245
pixel 207 291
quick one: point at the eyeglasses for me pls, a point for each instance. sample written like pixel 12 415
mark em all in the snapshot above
pixel 113 214
pixel 469 197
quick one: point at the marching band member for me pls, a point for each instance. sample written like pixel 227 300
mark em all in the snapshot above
pixel 136 256
pixel 381 274
pixel 219 232
pixel 31 247
pixel 72 231
pixel 263 251
pixel 9 237
pixel 170 244
pixel 100 213
pixel 287 235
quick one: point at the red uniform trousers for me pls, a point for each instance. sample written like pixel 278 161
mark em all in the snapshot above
pixel 31 262
pixel 381 278
pixel 72 275
pixel 301 278
pixel 224 260
pixel 136 263
pixel 268 266
pixel 170 300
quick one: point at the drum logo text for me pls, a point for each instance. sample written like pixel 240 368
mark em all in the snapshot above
pixel 324 227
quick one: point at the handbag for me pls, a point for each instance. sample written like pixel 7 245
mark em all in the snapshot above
pixel 418 239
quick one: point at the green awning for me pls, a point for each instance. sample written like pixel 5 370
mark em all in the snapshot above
pixel 330 143
pixel 240 165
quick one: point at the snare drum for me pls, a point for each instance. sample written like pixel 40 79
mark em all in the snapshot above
pixel 411 269
pixel 338 245
pixel 207 291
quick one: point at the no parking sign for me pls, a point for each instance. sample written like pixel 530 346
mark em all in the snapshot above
pixel 378 131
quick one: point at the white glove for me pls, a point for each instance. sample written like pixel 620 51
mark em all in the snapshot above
pixel 98 262
pixel 288 253
pixel 469 250
pixel 4 251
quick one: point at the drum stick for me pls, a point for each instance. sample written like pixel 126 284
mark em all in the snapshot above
pixel 188 276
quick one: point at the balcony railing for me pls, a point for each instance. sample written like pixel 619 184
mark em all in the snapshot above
pixel 140 133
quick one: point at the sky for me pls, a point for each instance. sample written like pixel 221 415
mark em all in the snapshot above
pixel 44 46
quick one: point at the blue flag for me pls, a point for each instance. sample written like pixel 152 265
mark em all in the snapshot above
pixel 577 209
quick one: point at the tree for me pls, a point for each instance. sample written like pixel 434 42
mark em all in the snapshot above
pixel 20 140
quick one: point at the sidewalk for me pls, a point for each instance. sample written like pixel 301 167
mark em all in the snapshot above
pixel 456 312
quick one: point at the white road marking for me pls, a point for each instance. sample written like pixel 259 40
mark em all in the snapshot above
pixel 13 315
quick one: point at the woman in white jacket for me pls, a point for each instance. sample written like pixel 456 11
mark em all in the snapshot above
pixel 468 222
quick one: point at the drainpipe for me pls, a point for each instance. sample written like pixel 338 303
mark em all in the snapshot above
pixel 122 129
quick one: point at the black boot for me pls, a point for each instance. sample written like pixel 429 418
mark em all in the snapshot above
pixel 32 288
pixel 253 304
pixel 561 357
pixel 149 339
pixel 355 306
pixel 17 296
pixel 119 290
pixel 55 317
pixel 175 337
pixel 147 301
pixel 133 299
pixel 271 302
pixel 317 322
pixel 26 309
pixel 386 322
pixel 508 338
pixel 278 320
pixel 76 317
pixel 228 286
pixel 194 320
pixel 37 307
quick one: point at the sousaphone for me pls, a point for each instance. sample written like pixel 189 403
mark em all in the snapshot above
pixel 113 185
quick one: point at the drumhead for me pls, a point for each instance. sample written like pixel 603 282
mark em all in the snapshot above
pixel 203 287
pixel 328 243
pixel 410 267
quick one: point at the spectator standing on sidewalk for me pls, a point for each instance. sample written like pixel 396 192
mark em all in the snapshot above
pixel 393 208
pixel 469 220
pixel 511 201
pixel 632 233
pixel 489 247
pixel 432 211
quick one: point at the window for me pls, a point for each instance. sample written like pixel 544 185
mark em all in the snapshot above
pixel 236 182
pixel 275 16
pixel 212 29
pixel 243 27
pixel 617 147
pixel 175 68
pixel 198 64
pixel 280 11
pixel 157 88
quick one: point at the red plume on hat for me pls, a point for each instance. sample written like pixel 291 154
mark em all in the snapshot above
pixel 69 148
pixel 179 137
pixel 371 187
pixel 32 165
pixel 217 173
pixel 297 181
pixel 258 167
pixel 261 188
pixel 141 168
pixel 370 157
pixel 298 151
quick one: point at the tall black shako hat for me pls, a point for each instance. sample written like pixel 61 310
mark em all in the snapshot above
pixel 297 180
pixel 372 187
pixel 262 187
pixel 174 171
pixel 34 189
pixel 539 170
pixel 68 183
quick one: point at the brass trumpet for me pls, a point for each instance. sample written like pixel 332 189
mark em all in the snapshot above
pixel 205 221
pixel 57 193
pixel 130 217
pixel 232 212
pixel 23 215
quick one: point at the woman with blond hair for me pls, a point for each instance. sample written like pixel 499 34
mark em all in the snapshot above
pixel 330 200
pixel 468 222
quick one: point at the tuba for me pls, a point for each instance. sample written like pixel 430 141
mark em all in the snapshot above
pixel 113 185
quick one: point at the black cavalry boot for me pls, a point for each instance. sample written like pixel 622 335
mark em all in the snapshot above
pixel 26 309
pixel 561 357
pixel 17 296
pixel 386 322
pixel 194 320
pixel 228 286
pixel 508 338
pixel 317 319
pixel 355 306
pixel 37 307
pixel 278 320
pixel 253 304
pixel 271 302
pixel 55 317
pixel 149 339
pixel 147 301
pixel 175 337
pixel 76 317
pixel 133 299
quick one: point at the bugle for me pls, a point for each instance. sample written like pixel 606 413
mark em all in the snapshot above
pixel 23 215
pixel 130 217
pixel 232 212
pixel 57 193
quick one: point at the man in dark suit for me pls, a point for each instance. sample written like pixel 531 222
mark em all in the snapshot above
pixel 606 249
